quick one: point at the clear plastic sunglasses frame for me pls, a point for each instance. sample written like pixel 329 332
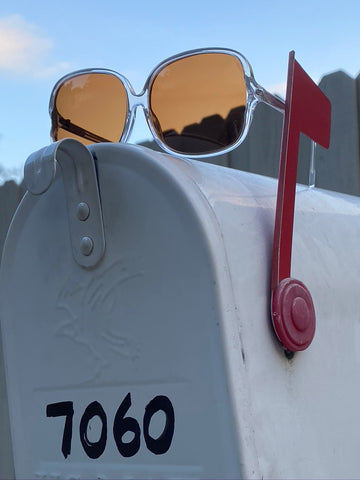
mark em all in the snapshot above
pixel 255 95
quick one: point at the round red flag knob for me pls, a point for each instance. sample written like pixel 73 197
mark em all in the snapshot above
pixel 293 315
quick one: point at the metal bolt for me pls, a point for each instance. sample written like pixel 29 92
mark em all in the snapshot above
pixel 86 246
pixel 83 211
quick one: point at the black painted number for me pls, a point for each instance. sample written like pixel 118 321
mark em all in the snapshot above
pixel 122 425
pixel 126 429
pixel 63 409
pixel 162 443
pixel 93 449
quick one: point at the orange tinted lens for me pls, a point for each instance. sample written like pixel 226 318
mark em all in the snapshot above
pixel 198 103
pixel 90 107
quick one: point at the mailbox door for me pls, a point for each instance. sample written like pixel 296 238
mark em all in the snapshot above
pixel 118 370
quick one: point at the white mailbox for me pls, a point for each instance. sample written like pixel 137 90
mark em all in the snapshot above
pixel 135 310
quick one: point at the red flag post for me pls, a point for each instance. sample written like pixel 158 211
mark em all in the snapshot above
pixel 308 111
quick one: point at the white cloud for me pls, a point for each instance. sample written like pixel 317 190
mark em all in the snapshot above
pixel 23 50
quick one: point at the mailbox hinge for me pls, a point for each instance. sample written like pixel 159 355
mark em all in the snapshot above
pixel 81 190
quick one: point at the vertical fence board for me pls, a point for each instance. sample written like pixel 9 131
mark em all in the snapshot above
pixel 10 195
pixel 338 167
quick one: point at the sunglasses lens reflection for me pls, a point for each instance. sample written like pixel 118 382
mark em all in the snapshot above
pixel 197 103
pixel 90 107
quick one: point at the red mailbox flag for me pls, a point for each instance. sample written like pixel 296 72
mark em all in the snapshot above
pixel 308 111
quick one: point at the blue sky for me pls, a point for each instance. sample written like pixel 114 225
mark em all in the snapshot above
pixel 43 40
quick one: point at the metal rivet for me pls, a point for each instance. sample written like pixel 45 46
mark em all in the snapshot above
pixel 86 246
pixel 83 211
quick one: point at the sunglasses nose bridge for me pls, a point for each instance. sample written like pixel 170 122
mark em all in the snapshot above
pixel 135 101
pixel 138 100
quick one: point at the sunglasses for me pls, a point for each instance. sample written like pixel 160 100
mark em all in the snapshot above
pixel 197 104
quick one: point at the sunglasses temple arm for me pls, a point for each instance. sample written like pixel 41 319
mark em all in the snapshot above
pixel 272 100
pixel 67 125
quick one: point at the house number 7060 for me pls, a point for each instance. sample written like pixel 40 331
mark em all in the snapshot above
pixel 122 424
